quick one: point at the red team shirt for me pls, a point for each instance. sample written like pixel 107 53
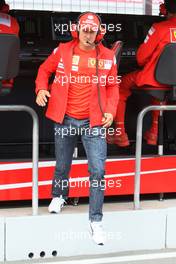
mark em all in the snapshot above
pixel 83 70
pixel 148 53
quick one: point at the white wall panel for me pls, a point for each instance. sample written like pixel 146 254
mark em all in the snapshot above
pixel 102 6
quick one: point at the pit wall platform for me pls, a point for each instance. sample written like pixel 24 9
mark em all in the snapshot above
pixel 50 236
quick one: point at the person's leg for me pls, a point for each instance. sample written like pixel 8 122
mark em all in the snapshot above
pixel 151 135
pixel 125 90
pixel 65 142
pixel 95 146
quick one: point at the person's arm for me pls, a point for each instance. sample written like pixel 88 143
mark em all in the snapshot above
pixel 48 67
pixel 112 95
pixel 147 48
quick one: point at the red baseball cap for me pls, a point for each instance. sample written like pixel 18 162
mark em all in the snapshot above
pixel 90 21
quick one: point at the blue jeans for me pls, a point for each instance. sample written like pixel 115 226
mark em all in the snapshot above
pixel 94 142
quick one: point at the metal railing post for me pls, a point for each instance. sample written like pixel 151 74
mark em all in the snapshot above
pixel 147 7
pixel 35 146
pixel 139 148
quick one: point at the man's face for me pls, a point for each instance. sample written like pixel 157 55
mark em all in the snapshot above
pixel 87 36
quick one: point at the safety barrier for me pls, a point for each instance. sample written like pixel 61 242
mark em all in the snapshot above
pixel 139 148
pixel 35 144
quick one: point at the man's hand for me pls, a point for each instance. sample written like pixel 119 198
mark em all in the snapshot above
pixel 107 120
pixel 41 99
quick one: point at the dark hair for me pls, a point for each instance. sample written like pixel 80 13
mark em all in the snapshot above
pixel 2 3
pixel 171 6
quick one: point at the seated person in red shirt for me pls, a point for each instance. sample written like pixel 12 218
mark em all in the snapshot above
pixel 8 25
pixel 148 53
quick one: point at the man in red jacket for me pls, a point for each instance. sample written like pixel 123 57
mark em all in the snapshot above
pixel 8 25
pixel 148 53
pixel 82 101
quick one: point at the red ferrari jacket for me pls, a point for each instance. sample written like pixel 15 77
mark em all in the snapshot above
pixel 148 53
pixel 8 24
pixel 62 56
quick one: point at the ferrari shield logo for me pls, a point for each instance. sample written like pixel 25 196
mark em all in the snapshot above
pixel 173 35
pixel 92 63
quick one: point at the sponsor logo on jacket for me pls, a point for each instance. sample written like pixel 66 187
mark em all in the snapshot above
pixel 102 64
pixel 173 35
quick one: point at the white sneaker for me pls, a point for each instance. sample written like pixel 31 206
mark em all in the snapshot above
pixel 56 205
pixel 98 235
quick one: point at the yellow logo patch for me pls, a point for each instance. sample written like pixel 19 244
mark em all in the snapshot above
pixel 75 60
pixel 173 35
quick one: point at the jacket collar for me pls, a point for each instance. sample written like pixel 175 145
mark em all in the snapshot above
pixel 66 51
